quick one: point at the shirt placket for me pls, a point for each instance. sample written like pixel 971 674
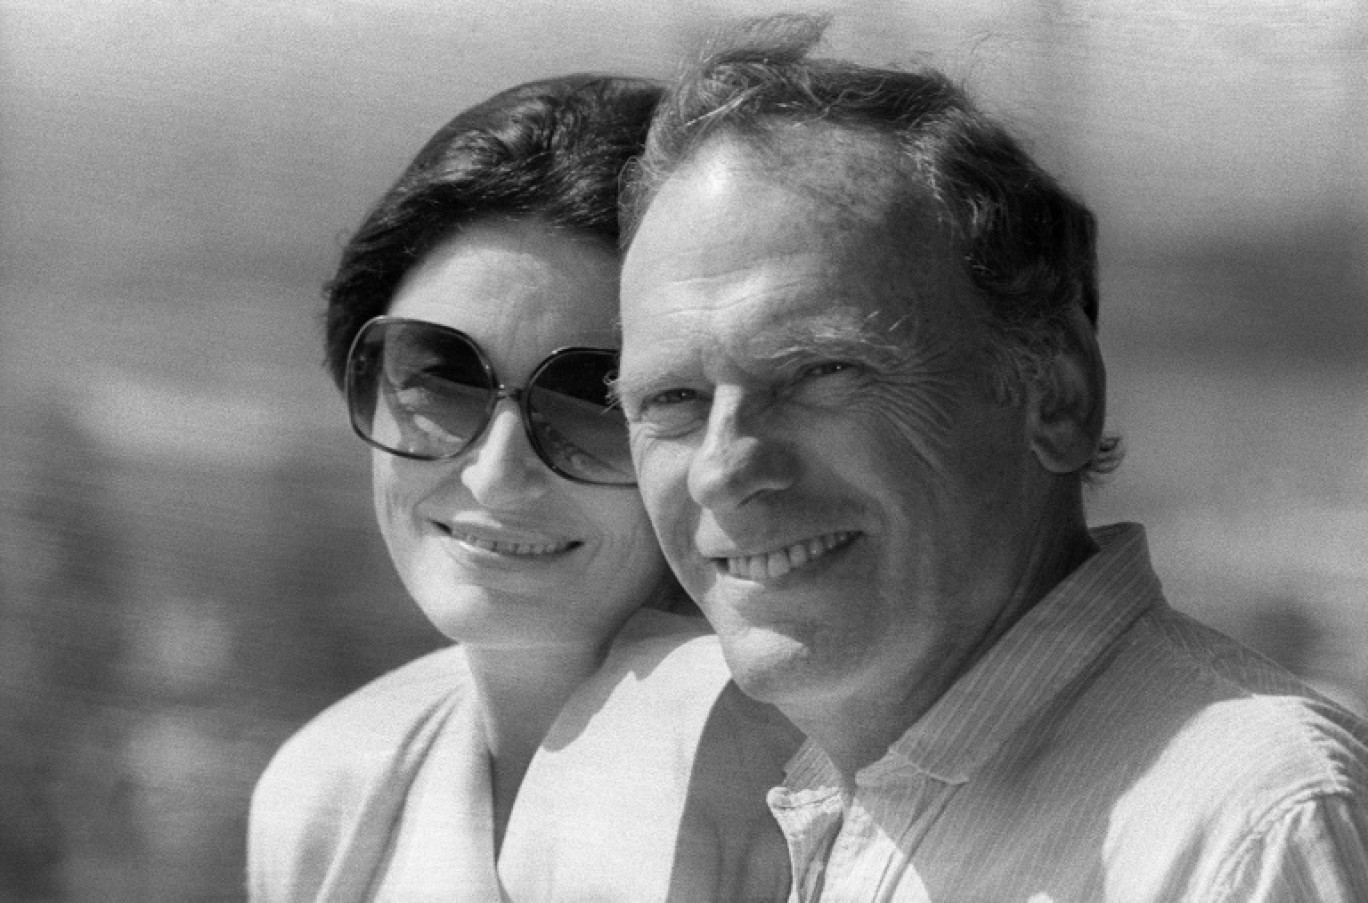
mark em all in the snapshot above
pixel 810 821
pixel 858 856
pixel 881 824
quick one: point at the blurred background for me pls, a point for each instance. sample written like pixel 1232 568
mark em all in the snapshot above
pixel 188 566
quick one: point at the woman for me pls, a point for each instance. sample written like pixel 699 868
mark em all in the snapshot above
pixel 471 324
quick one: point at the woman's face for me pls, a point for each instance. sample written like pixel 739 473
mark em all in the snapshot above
pixel 495 547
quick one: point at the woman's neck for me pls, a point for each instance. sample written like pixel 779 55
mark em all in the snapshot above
pixel 521 690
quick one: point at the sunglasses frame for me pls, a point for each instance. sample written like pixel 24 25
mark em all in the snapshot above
pixel 499 391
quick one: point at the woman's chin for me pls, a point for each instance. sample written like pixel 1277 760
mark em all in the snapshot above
pixel 480 617
pixel 451 589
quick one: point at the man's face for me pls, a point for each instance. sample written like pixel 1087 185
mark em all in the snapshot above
pixel 807 391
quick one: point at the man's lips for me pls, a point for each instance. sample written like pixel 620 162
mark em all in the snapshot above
pixel 773 565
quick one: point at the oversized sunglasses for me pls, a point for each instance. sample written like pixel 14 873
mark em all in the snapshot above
pixel 426 391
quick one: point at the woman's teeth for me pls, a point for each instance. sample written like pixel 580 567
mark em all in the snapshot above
pixel 526 549
pixel 773 565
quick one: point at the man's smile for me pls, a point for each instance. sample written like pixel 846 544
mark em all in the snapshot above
pixel 767 566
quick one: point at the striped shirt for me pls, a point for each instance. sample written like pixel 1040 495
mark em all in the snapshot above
pixel 1107 748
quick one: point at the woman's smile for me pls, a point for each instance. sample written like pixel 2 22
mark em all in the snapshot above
pixel 508 544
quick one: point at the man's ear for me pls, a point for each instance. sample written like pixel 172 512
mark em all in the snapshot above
pixel 1067 406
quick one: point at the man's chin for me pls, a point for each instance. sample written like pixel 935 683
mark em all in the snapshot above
pixel 770 665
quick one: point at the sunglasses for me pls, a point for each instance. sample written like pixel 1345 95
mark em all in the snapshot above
pixel 421 390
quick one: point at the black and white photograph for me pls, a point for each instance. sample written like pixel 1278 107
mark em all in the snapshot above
pixel 904 451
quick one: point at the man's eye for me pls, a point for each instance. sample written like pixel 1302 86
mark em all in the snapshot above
pixel 670 411
pixel 826 368
pixel 671 397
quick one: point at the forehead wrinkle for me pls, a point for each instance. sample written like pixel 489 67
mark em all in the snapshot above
pixel 831 335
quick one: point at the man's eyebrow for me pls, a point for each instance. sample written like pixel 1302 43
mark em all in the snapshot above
pixel 872 340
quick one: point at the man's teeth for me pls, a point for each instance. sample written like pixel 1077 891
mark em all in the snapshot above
pixel 514 548
pixel 773 565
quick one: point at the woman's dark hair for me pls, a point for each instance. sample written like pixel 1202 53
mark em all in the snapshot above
pixel 550 149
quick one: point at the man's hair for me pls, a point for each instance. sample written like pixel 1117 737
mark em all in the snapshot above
pixel 1028 246
pixel 552 149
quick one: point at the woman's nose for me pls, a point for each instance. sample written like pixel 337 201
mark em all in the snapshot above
pixel 502 468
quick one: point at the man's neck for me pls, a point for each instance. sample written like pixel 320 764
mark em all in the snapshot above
pixel 857 729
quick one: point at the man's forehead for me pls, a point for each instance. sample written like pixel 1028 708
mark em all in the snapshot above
pixel 852 189
pixel 847 173
pixel 767 261
pixel 776 313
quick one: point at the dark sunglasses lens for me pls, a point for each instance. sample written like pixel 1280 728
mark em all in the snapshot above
pixel 416 389
pixel 574 423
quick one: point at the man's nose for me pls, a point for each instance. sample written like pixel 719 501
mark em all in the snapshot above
pixel 739 457
pixel 502 468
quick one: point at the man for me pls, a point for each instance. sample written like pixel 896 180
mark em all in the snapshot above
pixel 860 367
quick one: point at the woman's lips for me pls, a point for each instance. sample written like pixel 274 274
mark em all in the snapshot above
pixel 514 548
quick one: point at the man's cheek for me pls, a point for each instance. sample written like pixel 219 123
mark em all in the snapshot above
pixel 664 492
pixel 662 470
